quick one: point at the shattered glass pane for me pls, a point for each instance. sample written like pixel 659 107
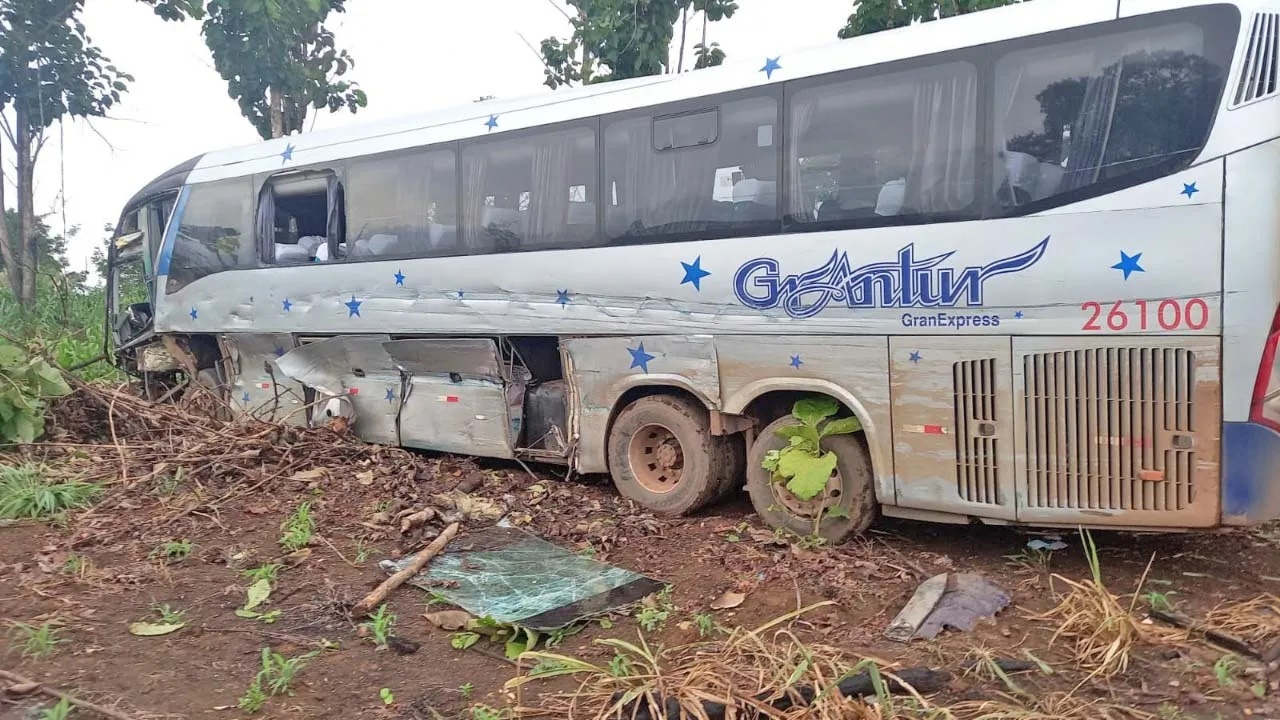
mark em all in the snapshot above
pixel 514 577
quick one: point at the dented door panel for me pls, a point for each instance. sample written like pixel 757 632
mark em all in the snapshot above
pixel 357 367
pixel 851 369
pixel 259 387
pixel 601 370
pixel 953 424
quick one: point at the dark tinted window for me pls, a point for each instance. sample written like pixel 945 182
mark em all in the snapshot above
pixel 215 232
pixel 402 206
pixel 530 193
pixel 900 144
pixel 1093 111
pixel 682 131
pixel 724 187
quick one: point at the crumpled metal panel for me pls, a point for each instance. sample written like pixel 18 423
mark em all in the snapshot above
pixel 358 367
pixel 259 388
pixel 468 417
pixel 602 369
pixel 428 356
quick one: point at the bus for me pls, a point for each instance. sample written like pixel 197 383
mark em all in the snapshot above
pixel 1034 251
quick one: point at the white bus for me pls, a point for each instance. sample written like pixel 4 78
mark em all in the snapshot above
pixel 1035 251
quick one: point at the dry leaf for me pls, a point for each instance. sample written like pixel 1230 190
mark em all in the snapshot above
pixel 308 474
pixel 728 601
pixel 365 478
pixel 143 629
pixel 449 619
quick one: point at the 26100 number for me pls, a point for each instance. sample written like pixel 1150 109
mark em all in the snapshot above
pixel 1170 314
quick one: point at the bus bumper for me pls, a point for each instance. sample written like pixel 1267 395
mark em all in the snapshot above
pixel 1250 473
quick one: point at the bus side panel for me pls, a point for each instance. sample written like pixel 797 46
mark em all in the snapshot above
pixel 854 370
pixel 603 369
pixel 257 386
pixel 1251 275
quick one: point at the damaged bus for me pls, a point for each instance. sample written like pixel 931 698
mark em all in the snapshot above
pixel 1034 251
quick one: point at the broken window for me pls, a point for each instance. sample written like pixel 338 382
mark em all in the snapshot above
pixel 301 218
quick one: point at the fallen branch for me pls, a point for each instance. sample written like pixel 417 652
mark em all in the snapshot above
pixel 1221 639
pixel 410 519
pixel 29 686
pixel 375 598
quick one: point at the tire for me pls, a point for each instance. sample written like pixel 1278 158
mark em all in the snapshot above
pixel 778 507
pixel 663 457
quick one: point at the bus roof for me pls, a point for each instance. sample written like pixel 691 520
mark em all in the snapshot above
pixel 545 108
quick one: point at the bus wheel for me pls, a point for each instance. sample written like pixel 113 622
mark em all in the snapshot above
pixel 851 488
pixel 662 455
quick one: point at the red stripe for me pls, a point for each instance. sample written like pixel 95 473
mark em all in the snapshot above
pixel 354 391
pixel 934 430
pixel 266 386
pixel 451 398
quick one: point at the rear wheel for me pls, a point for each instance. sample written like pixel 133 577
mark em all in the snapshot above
pixel 846 507
pixel 662 455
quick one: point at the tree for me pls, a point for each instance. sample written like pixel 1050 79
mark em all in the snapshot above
pixel 49 71
pixel 279 60
pixel 616 39
pixel 871 16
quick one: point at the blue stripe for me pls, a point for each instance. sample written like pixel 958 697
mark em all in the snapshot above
pixel 171 233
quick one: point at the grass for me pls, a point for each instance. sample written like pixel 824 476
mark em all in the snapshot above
pixel 57 712
pixel 274 678
pixel 298 529
pixel 26 494
pixel 262 572
pixel 167 614
pixel 37 641
pixel 656 610
pixel 379 626
pixel 705 623
pixel 173 551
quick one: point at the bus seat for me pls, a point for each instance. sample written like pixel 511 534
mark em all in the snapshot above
pixel 289 253
pixel 1050 181
pixel 311 243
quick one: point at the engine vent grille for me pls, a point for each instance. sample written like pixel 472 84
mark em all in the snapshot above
pixel 1110 429
pixel 975 401
pixel 1258 74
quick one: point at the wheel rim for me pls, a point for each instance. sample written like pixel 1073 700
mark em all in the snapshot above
pixel 809 509
pixel 657 458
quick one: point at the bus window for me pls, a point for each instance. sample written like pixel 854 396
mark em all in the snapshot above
pixel 403 205
pixel 300 218
pixel 680 174
pixel 895 145
pixel 1074 114
pixel 516 193
pixel 215 232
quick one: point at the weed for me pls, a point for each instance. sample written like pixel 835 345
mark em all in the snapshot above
pixel 58 712
pixel 619 666
pixel 25 494
pixel 1169 711
pixel 434 598
pixel 262 572
pixel 484 712
pixel 298 529
pixel 463 640
pixel 362 551
pixel 173 551
pixel 1225 669
pixel 77 565
pixel 705 623
pixel 1159 601
pixel 168 484
pixel 167 614
pixel 379 626
pixel 253 698
pixel 387 696
pixel 275 678
pixel 37 642
pixel 466 689
pixel 656 610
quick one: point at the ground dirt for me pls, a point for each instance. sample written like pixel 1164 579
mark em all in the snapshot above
pixel 98 571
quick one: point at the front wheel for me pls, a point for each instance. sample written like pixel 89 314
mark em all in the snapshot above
pixel 663 456
pixel 847 506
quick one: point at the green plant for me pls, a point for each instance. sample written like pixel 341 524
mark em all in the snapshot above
pixel 362 551
pixel 274 678
pixel 802 464
pixel 298 529
pixel 656 610
pixel 379 626
pixel 24 493
pixel 58 712
pixel 262 572
pixel 463 640
pixel 1159 601
pixel 466 689
pixel 173 551
pixel 167 614
pixel 255 595
pixel 484 712
pixel 387 696
pixel 253 698
pixel 37 641
pixel 168 484
pixel 26 384
pixel 1225 669
pixel 619 666
pixel 76 565
pixel 705 623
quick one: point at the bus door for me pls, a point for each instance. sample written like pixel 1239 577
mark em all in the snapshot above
pixel 351 376
pixel 953 424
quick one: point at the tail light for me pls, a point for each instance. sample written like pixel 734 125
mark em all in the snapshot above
pixel 1265 408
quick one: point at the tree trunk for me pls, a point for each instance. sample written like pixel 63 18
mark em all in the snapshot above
pixel 26 205
pixel 684 25
pixel 275 102
pixel 8 251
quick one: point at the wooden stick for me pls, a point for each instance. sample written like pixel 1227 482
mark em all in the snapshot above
pixel 41 687
pixel 1216 637
pixel 365 606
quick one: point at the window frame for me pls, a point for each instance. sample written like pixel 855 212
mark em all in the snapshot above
pixel 653 128
pixel 265 181
pixel 454 147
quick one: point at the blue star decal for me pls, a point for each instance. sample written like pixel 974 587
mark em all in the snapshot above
pixel 1017 315
pixel 391 395
pixel 1128 264
pixel 287 305
pixel 640 358
pixel 693 273
pixel 399 276
pixel 770 65
pixel 194 314
pixel 491 123
pixel 1189 190
pixel 279 352
pixel 459 294
pixel 353 307
pixel 250 299
pixel 796 362
pixel 287 155
pixel 915 356
pixel 245 397
pixel 562 297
